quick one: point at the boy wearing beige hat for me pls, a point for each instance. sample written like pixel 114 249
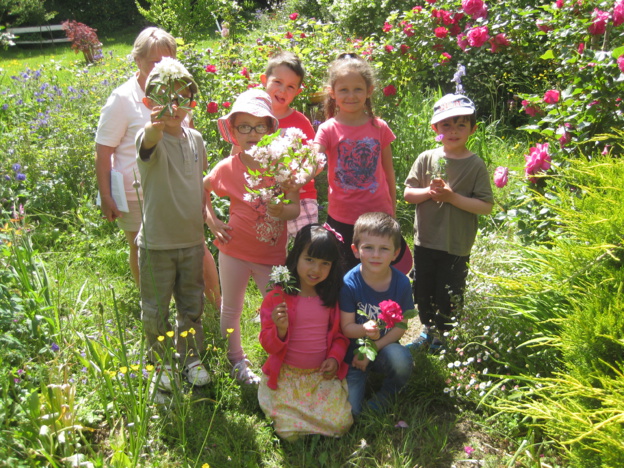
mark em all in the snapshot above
pixel 171 160
pixel 450 187
pixel 254 238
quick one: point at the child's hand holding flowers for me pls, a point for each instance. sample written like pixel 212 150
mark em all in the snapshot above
pixel 390 316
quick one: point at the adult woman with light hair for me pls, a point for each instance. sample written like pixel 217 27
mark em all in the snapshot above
pixel 123 115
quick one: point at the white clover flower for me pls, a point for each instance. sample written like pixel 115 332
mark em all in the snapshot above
pixel 450 365
pixel 457 364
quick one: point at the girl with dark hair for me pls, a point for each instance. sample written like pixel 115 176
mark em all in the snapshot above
pixel 302 387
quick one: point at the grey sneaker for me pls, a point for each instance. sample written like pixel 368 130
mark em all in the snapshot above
pixel 243 373
pixel 164 378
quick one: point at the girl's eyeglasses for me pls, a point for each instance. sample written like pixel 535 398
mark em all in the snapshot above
pixel 259 129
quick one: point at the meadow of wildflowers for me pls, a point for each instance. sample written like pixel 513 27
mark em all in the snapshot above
pixel 530 349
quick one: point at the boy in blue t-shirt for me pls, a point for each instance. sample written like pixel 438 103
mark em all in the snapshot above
pixel 376 243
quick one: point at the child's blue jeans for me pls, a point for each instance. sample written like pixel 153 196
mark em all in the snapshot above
pixel 395 363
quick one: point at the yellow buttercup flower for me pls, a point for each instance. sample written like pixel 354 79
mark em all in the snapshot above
pixel 149 368
pixel 123 369
pixel 230 330
pixel 161 338
pixel 170 333
pixel 192 331
pixel 205 465
pixel 135 367
pixel 184 334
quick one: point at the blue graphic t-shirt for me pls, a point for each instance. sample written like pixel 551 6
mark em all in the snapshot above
pixel 356 295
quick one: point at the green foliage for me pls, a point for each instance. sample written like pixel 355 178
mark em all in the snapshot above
pixel 18 12
pixel 107 17
pixel 188 18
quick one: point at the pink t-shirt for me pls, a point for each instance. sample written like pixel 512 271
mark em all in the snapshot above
pixel 300 121
pixel 307 347
pixel 256 236
pixel 357 181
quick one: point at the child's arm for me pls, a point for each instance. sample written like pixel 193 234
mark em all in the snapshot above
pixel 279 315
pixel 350 329
pixel 153 133
pixel 416 195
pixel 286 211
pixel 218 228
pixel 442 192
pixel 388 167
pixel 103 168
pixel 320 149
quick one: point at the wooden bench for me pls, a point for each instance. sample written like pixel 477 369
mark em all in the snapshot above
pixel 47 29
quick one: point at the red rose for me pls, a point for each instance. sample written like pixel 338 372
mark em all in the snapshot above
pixel 288 35
pixel 440 32
pixel 390 313
pixel 212 107
pixel 211 69
pixel 303 35
pixel 387 27
pixel 245 72
pixel 294 16
pixel 409 30
pixel 390 90
pixel 389 48
pixel 404 48
pixel 226 104
pixel 445 57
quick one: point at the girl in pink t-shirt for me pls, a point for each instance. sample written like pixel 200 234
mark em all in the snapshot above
pixel 357 144
pixel 254 238
pixel 303 390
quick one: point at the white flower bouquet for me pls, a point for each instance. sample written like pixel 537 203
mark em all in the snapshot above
pixel 288 158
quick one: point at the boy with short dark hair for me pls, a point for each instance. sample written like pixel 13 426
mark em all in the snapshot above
pixel 450 187
pixel 171 160
pixel 376 243
pixel 282 81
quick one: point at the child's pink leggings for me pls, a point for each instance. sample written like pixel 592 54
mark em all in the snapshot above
pixel 234 276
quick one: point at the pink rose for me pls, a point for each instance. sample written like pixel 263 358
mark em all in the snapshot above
pixel 417 9
pixel 478 36
pixel 530 109
pixel 581 48
pixel 445 58
pixel 538 160
pixel 440 32
pixel 212 107
pixel 565 137
pixel 390 90
pixel 551 97
pixel 618 13
pixel 620 62
pixel 497 41
pixel 245 72
pixel 462 42
pixel 475 8
pixel 387 27
pixel 500 176
pixel 559 4
pixel 409 30
pixel 543 25
pixel 293 16
pixel 599 25
pixel 211 69
pixel 389 48
pixel 390 313
pixel 404 48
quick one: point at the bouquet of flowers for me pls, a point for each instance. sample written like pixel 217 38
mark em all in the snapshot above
pixel 288 158
pixel 162 87
pixel 390 316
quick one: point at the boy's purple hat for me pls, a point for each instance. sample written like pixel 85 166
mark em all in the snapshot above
pixel 452 105
pixel 253 101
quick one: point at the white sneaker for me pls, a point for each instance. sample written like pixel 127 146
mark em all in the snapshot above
pixel 163 377
pixel 196 374
pixel 243 373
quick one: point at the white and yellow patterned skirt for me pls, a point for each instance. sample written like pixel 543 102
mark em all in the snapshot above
pixel 306 403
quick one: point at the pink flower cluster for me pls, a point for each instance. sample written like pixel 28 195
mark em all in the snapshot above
pixel 390 313
pixel 538 160
pixel 501 175
pixel 475 8
pixel 530 108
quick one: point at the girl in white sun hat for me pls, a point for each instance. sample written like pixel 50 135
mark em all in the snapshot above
pixel 254 238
